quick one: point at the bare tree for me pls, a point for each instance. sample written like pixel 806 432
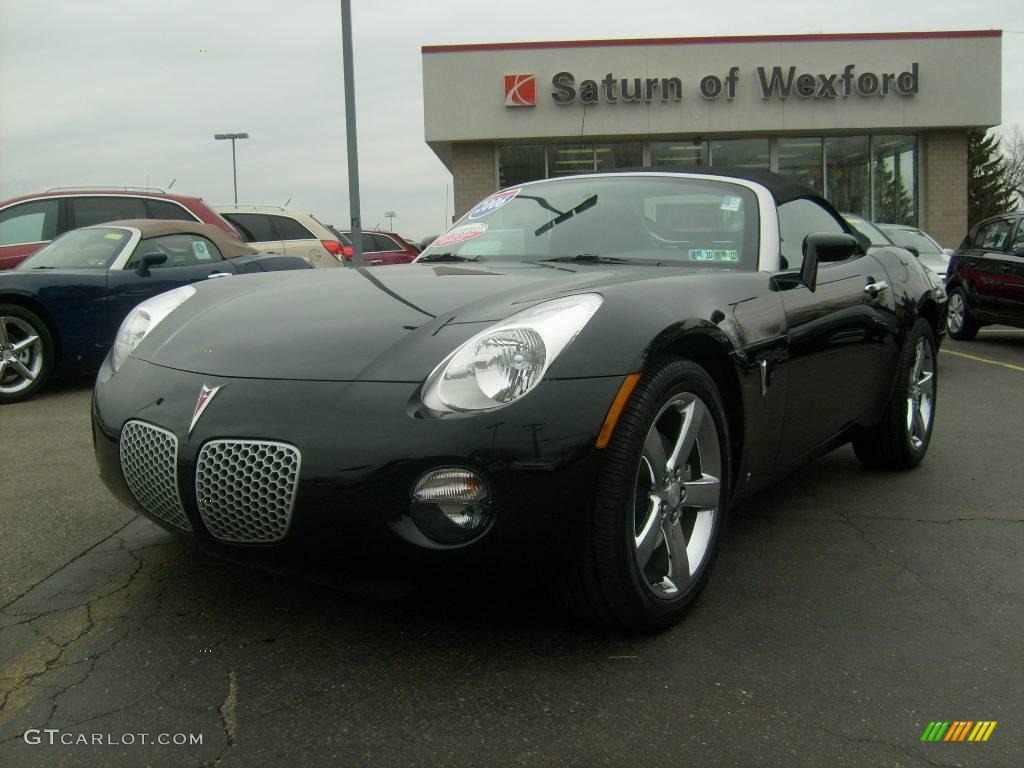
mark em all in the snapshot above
pixel 1012 141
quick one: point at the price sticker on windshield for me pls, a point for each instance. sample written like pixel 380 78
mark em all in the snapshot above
pixel 714 254
pixel 460 235
pixel 493 203
pixel 114 235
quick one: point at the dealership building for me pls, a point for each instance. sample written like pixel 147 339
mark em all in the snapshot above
pixel 877 123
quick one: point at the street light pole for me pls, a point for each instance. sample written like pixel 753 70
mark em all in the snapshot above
pixel 234 164
pixel 355 218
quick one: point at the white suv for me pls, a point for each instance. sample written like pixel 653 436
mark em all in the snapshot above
pixel 270 228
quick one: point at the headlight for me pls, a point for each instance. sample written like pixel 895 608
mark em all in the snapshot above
pixel 143 319
pixel 503 363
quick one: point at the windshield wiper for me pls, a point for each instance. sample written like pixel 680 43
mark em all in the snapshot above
pixel 588 258
pixel 590 202
pixel 43 267
pixel 446 257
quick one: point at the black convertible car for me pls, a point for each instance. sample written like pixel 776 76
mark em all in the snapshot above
pixel 60 309
pixel 577 380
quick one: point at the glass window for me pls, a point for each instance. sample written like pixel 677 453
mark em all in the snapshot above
pixel 993 236
pixel 92 248
pixel 847 183
pixel 31 222
pixel 869 230
pixel 748 154
pixel 1018 237
pixel 711 224
pixel 801 159
pixel 182 250
pixel 385 243
pixel 570 158
pixel 798 219
pixel 895 182
pixel 162 209
pixel 255 227
pixel 518 165
pixel 86 211
pixel 289 229
pixel 913 238
pixel 626 154
pixel 679 154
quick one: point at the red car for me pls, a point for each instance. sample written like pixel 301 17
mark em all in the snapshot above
pixel 985 279
pixel 379 248
pixel 29 222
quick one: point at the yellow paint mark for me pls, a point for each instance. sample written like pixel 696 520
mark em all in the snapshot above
pixel 977 359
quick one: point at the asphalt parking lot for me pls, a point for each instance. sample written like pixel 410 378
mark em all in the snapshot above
pixel 848 610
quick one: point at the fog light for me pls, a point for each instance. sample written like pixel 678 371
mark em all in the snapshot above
pixel 450 505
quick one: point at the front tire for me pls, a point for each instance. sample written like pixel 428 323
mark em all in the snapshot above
pixel 26 353
pixel 959 324
pixel 647 547
pixel 901 439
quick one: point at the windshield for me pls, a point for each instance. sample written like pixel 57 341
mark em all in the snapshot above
pixel 90 248
pixel 644 220
pixel 869 230
pixel 913 238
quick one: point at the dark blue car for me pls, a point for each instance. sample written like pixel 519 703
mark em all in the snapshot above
pixel 61 308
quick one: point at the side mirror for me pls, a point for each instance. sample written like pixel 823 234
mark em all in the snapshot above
pixel 1019 250
pixel 150 260
pixel 826 247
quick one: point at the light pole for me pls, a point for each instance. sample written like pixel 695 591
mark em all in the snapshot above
pixel 234 166
pixel 390 216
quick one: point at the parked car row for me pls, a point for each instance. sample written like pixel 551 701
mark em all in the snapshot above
pixel 61 308
pixel 983 278
pixel 29 222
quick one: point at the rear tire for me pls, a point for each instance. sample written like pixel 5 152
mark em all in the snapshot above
pixel 959 324
pixel 646 549
pixel 901 439
pixel 26 353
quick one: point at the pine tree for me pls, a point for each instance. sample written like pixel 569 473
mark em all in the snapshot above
pixel 988 188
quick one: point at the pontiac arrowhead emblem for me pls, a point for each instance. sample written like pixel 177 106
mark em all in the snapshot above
pixel 205 396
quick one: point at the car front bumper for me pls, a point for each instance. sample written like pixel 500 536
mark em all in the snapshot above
pixel 362 450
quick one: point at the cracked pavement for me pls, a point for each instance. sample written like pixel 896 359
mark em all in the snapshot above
pixel 848 609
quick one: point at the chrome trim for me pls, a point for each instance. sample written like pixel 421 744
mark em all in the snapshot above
pixel 876 288
pixel 129 248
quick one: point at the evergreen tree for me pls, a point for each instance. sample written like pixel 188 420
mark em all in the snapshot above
pixel 988 188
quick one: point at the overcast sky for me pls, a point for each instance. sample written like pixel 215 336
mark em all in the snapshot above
pixel 132 91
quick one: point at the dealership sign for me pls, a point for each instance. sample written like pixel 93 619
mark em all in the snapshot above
pixel 772 83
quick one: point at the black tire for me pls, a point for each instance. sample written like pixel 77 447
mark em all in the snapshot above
pixel 897 442
pixel 606 584
pixel 959 324
pixel 19 324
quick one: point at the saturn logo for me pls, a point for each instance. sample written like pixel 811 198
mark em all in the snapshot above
pixel 520 90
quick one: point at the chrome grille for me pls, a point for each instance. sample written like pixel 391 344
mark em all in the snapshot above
pixel 149 461
pixel 245 489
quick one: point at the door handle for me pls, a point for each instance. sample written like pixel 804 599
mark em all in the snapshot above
pixel 876 288
pixel 212 275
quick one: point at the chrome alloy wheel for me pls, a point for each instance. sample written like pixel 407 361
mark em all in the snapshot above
pixel 21 355
pixel 956 313
pixel 677 496
pixel 921 394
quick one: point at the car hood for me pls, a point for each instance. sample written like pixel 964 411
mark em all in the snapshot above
pixel 376 324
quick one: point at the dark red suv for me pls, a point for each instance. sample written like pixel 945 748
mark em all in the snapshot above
pixel 29 222
pixel 985 279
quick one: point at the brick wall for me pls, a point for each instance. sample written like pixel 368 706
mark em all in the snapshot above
pixel 473 172
pixel 944 192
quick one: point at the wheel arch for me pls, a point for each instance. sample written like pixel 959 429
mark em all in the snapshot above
pixel 712 350
pixel 928 308
pixel 38 308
